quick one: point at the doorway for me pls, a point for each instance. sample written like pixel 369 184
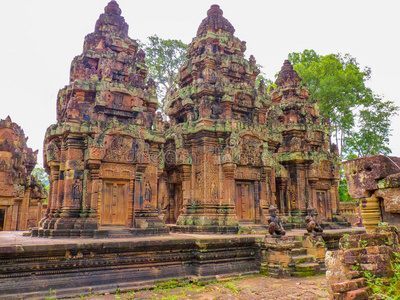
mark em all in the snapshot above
pixel 244 201
pixel 114 207
pixel 2 218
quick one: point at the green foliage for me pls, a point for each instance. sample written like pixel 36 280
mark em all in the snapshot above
pixel 163 58
pixel 344 189
pixel 41 175
pixel 235 289
pixel 385 288
pixel 42 178
pixel 372 137
pixel 261 77
pixel 337 83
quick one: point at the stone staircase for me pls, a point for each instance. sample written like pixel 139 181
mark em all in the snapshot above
pixel 305 264
pixel 297 256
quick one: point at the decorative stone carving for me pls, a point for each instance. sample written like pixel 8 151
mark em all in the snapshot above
pixel 275 226
pixel 21 194
pixel 312 225
pixel 105 128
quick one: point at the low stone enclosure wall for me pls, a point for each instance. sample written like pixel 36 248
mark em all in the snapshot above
pixel 363 258
pixel 35 268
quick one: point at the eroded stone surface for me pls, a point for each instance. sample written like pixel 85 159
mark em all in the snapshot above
pixel 102 155
pixel 359 253
pixel 228 152
pixel 21 195
pixel 238 150
pixel 364 173
pixel 375 179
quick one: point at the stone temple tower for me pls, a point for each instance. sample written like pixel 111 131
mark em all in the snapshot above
pixel 219 145
pixel 102 155
pixel 311 162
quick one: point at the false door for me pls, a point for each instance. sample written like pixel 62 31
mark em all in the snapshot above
pixel 244 201
pixel 114 208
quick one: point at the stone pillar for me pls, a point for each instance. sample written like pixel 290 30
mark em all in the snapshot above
pixel 23 211
pixel 73 183
pixel 228 170
pixel 91 222
pixel 312 182
pixel 145 215
pixel 300 186
pixel 138 196
pixel 186 185
pixel 54 176
pixel 39 211
pixel 282 185
pixel 265 193
pixel 257 207
pixel 15 211
pixel 228 192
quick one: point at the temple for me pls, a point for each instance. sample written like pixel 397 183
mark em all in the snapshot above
pixel 102 155
pixel 311 163
pixel 228 152
pixel 239 150
pixel 21 194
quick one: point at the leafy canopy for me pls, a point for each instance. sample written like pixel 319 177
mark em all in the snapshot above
pixel 163 58
pixel 360 119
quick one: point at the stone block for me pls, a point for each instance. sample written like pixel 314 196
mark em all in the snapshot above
pixel 342 287
pixel 358 294
pixel 363 173
pixel 353 274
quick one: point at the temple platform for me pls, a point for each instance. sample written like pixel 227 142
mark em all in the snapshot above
pixel 37 268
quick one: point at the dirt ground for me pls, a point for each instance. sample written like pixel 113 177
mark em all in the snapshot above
pixel 257 287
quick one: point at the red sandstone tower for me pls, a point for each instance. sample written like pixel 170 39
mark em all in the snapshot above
pixel 102 155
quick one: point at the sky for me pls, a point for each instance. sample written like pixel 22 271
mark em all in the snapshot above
pixel 39 39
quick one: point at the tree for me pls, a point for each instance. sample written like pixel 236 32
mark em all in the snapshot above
pixel 163 58
pixel 42 178
pixel 338 85
pixel 261 77
pixel 372 136
pixel 41 175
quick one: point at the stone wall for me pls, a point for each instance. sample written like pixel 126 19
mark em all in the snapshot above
pixel 100 266
pixel 360 257
pixel 349 210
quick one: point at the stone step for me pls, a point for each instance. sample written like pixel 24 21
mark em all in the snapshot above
pixel 298 252
pixel 119 234
pixel 298 244
pixel 307 266
pixel 306 270
pixel 303 259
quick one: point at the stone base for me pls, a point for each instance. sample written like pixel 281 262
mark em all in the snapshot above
pixel 298 256
pixel 204 229
pixel 60 270
pixel 98 233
